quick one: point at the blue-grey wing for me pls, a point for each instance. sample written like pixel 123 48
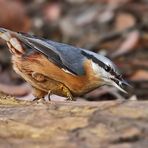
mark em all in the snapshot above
pixel 63 55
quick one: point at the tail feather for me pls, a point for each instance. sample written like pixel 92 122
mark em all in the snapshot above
pixel 13 43
pixel 2 30
pixel 5 34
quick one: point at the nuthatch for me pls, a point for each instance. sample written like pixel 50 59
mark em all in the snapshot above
pixel 56 68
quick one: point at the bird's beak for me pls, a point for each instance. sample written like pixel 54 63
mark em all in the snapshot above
pixel 121 84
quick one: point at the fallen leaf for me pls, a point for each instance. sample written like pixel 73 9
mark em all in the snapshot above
pixel 140 75
pixel 128 45
pixel 124 21
pixel 13 16
pixel 19 90
pixel 52 12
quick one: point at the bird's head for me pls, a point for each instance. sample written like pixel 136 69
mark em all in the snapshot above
pixel 107 71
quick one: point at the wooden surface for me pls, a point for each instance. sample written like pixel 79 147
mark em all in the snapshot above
pixel 114 124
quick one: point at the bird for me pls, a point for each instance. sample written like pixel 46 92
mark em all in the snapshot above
pixel 56 68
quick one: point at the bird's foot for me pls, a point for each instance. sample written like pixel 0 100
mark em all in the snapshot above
pixel 48 95
pixel 39 100
pixel 66 92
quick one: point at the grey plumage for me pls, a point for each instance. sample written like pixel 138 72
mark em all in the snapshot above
pixel 66 56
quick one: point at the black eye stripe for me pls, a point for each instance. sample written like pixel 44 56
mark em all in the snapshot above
pixel 94 59
pixel 101 64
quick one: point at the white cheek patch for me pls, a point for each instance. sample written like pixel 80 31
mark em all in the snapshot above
pixel 95 67
pixel 106 76
pixel 99 70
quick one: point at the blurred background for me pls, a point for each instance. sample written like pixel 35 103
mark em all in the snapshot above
pixel 117 29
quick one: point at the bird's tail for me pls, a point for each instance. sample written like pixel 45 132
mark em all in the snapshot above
pixel 5 34
pixel 12 41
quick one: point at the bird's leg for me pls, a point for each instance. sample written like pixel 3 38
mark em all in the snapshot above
pixel 49 94
pixel 39 94
pixel 66 92
pixel 59 88
pixel 36 99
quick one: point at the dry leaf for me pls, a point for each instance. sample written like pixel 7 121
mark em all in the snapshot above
pixel 13 16
pixel 124 21
pixel 140 75
pixel 128 45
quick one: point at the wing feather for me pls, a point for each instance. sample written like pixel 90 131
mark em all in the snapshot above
pixel 65 56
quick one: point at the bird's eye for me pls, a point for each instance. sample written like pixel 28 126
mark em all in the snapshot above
pixel 107 68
